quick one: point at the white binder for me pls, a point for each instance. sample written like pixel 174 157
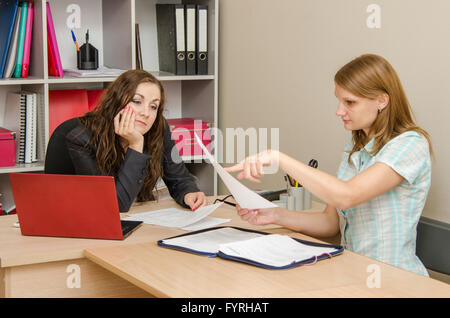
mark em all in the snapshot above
pixel 191 39
pixel 202 39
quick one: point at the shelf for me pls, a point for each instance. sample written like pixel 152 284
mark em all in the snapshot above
pixel 22 81
pixel 164 76
pixel 23 167
pixel 73 79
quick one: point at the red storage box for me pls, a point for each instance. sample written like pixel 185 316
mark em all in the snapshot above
pixel 183 130
pixel 7 148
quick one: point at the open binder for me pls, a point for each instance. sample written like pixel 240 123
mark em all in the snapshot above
pixel 252 247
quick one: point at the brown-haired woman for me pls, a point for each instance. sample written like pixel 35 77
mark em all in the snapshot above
pixel 383 180
pixel 127 137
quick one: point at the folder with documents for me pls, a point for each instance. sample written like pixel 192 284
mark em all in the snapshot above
pixel 272 251
pixel 171 38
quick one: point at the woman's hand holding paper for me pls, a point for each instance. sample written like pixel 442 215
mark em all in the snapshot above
pixel 259 216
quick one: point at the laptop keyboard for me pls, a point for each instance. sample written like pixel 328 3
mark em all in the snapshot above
pixel 128 226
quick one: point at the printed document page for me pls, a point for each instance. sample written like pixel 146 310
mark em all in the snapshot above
pixel 174 217
pixel 245 197
pixel 273 249
pixel 209 241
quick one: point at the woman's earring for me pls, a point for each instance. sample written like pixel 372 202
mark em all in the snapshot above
pixel 379 111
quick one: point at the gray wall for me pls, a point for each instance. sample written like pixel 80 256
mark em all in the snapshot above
pixel 278 59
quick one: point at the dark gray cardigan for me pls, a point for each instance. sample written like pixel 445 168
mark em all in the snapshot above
pixel 67 153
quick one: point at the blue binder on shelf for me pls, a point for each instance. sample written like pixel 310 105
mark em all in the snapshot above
pixel 192 245
pixel 8 10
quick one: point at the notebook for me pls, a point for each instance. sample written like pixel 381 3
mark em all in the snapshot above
pixel 69 206
pixel 271 251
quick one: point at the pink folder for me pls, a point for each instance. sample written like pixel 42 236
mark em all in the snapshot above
pixel 53 43
pixel 27 45
pixel 66 104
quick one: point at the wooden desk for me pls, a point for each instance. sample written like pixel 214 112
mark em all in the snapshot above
pixel 33 266
pixel 168 273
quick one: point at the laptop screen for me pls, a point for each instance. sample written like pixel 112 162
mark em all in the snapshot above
pixel 66 205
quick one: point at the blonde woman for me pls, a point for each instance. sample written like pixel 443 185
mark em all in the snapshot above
pixel 383 179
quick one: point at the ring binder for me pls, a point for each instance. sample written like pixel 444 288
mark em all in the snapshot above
pixel 171 38
pixel 191 39
pixel 202 39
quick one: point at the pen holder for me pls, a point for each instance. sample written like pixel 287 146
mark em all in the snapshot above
pixel 291 203
pixel 284 197
pixel 297 193
pixel 280 204
pixel 306 199
pixel 87 57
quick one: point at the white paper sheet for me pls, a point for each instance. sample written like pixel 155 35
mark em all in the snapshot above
pixel 246 198
pixel 175 218
pixel 205 223
pixel 273 249
pixel 210 241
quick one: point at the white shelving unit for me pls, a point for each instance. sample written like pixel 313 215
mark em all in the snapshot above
pixel 111 25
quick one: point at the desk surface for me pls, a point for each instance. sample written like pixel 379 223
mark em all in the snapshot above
pixel 165 272
pixel 168 273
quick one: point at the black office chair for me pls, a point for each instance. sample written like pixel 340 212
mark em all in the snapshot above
pixel 57 158
pixel 432 245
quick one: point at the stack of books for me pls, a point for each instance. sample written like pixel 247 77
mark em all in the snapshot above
pixel 16 26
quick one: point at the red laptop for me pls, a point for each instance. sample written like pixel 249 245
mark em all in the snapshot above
pixel 69 206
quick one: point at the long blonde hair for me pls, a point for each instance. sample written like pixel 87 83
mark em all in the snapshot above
pixel 368 76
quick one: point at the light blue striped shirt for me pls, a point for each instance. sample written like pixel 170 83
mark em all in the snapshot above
pixel 385 228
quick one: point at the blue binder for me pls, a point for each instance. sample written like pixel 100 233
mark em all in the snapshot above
pixel 338 249
pixel 8 10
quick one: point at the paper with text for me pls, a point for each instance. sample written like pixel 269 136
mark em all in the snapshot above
pixel 209 242
pixel 274 250
pixel 246 198
pixel 175 218
pixel 205 223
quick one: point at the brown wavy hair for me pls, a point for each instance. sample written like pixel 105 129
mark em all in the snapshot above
pixel 109 153
pixel 368 76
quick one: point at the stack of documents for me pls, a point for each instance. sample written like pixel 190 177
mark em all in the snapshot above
pixel 176 218
pixel 102 71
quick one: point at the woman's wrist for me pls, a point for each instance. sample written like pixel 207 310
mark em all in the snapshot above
pixel 139 147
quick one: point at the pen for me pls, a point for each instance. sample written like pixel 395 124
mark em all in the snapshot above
pixel 290 181
pixel 75 40
pixel 87 46
pixel 287 184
